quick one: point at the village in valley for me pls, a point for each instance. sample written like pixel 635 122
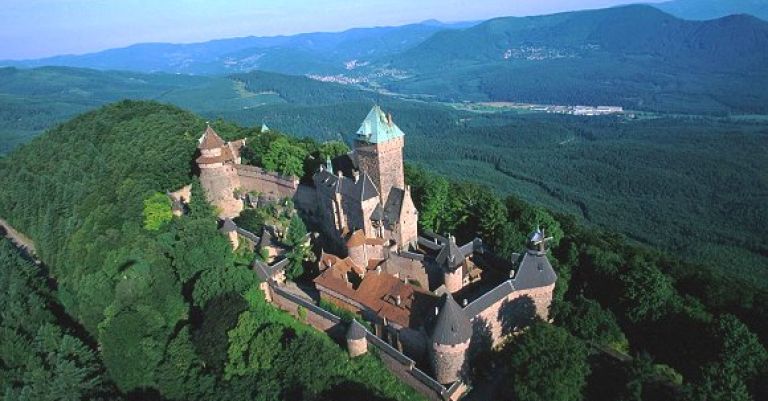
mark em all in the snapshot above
pixel 425 301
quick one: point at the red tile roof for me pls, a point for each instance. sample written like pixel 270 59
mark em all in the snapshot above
pixel 378 292
pixel 210 140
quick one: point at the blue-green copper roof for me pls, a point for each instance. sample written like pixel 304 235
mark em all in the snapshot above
pixel 378 127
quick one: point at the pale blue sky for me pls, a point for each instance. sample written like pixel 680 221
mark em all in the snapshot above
pixel 38 28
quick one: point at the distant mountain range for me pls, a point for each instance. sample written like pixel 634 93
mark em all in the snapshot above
pixel 635 56
pixel 321 52
pixel 711 9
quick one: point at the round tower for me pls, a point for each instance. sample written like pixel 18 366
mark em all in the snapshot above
pixel 218 175
pixel 454 280
pixel 452 262
pixel 450 341
pixel 356 249
pixel 357 344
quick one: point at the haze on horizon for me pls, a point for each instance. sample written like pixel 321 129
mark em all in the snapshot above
pixel 42 28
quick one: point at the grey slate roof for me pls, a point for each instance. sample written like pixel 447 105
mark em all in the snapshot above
pixel 489 298
pixel 394 206
pixel 247 234
pixel 360 190
pixel 356 331
pixel 266 238
pixel 262 270
pixel 450 256
pixel 453 326
pixel 378 213
pixel 427 243
pixel 228 226
pixel 534 271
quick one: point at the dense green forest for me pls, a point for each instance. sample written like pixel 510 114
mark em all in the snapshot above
pixel 699 178
pixel 158 307
pixel 692 335
pixel 173 313
pixel 32 101
pixel 692 185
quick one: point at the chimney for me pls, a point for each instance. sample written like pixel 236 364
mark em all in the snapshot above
pixel 378 269
pixel 356 174
pixel 464 303
pixel 389 119
pixel 437 311
pixel 398 300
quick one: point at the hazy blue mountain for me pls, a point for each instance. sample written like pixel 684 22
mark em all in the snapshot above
pixel 303 53
pixel 634 56
pixel 711 9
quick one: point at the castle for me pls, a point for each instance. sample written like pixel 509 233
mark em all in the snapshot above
pixel 428 296
pixel 227 181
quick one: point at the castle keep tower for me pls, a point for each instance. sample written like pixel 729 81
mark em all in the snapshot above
pixel 218 175
pixel 379 151
pixel 450 342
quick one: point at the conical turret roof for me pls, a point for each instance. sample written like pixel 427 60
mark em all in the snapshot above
pixel 356 331
pixel 210 139
pixel 228 226
pixel 453 326
pixel 450 256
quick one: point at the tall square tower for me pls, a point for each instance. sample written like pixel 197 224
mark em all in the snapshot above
pixel 379 152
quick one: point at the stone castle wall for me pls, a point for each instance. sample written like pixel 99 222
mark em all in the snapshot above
pixel 270 184
pixel 512 312
pixel 408 227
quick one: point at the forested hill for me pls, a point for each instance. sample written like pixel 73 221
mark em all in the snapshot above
pixel 159 308
pixel 711 9
pixel 174 313
pixel 634 56
pixel 736 42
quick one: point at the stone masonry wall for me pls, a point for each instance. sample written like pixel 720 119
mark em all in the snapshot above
pixel 272 185
pixel 219 184
pixel 384 163
pixel 502 318
pixel 448 361
pixel 397 363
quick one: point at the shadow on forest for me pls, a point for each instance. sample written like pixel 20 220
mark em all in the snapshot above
pixel 348 390
pixel 516 314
